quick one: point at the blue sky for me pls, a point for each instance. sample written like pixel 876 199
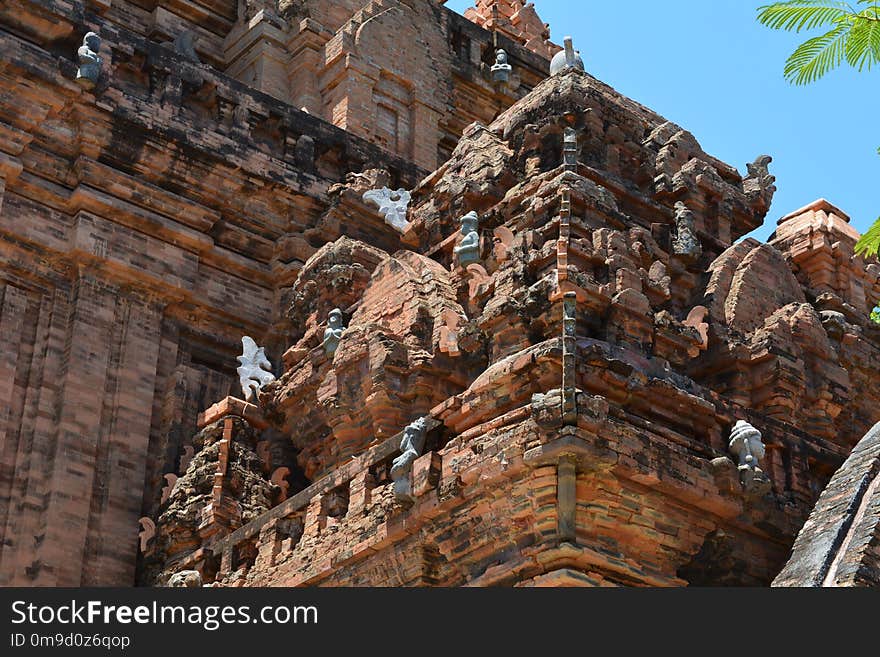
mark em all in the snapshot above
pixel 710 67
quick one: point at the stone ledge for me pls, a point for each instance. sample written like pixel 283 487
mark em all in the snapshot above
pixel 233 406
pixel 818 205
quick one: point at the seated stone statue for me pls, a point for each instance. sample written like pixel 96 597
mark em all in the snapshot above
pixel 411 446
pixel 89 60
pixel 501 68
pixel 468 250
pixel 333 333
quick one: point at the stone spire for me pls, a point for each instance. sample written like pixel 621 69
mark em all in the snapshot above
pixel 516 20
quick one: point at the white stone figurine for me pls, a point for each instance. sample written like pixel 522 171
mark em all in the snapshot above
pixel 333 332
pixel 468 250
pixel 392 205
pixel 501 68
pixel 566 59
pixel 253 372
pixel 747 446
pixel 89 61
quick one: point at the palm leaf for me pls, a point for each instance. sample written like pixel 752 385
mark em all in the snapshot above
pixel 869 244
pixel 816 56
pixel 863 43
pixel 798 15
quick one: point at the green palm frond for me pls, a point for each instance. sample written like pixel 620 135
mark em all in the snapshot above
pixel 853 35
pixel 800 15
pixel 869 244
pixel 816 56
pixel 863 43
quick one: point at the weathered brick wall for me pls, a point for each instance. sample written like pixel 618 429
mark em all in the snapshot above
pixel 144 230
pixel 426 66
pixel 581 378
pixel 585 373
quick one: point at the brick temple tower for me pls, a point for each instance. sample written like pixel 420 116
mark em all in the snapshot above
pixel 515 337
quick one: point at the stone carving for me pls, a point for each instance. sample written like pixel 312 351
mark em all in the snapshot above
pixel 333 332
pixel 449 332
pixel 566 59
pixel 501 69
pixel 468 250
pixel 304 153
pixel 411 446
pixel 188 453
pixel 279 479
pixel 760 169
pixel 503 242
pixel 746 445
pixel 569 149
pixel 569 349
pixel 171 481
pixel 186 579
pixel 834 323
pixel 240 118
pixel 685 244
pixel 148 531
pixel 253 372
pixel 89 61
pixel 478 281
pixel 334 504
pixel 759 179
pixel 696 320
pixel 392 205
pixel 184 45
pixel 248 9
pixel 659 279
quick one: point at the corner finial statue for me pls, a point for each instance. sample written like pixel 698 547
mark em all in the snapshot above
pixel 566 59
pixel 89 61
pixel 758 183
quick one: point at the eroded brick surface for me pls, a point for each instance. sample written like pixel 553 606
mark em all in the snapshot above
pixel 569 449
pixel 579 381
